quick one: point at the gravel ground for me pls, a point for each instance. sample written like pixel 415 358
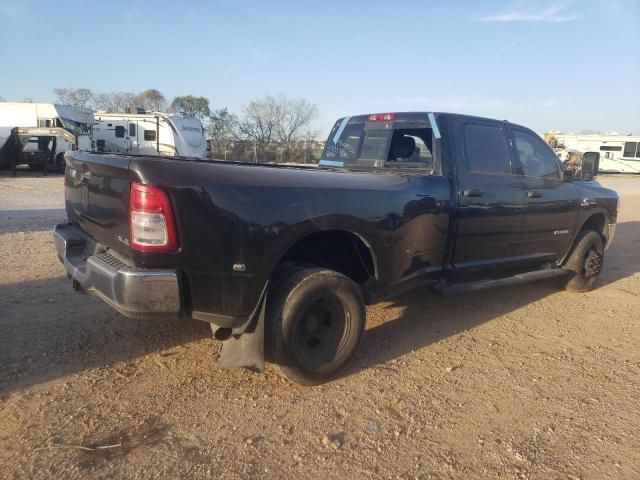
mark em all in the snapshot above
pixel 520 382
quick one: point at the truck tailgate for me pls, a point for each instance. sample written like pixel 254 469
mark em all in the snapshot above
pixel 97 197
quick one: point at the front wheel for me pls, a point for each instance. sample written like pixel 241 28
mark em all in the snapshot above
pixel 315 320
pixel 585 262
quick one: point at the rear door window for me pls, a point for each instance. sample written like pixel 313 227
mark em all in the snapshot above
pixel 486 149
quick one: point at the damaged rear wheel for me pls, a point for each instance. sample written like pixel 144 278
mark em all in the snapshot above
pixel 315 320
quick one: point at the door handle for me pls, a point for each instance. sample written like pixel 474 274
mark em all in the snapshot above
pixel 473 192
pixel 534 194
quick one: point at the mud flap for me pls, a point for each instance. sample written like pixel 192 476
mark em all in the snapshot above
pixel 247 349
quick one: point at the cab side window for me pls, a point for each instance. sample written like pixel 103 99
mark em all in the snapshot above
pixel 535 159
pixel 486 149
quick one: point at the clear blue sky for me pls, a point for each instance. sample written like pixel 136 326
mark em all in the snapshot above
pixel 566 65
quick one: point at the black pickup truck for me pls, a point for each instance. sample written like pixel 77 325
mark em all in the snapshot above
pixel 281 260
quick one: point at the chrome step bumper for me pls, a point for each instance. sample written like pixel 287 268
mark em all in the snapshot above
pixel 134 292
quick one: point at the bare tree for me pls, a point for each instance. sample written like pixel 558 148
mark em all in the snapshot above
pixel 277 119
pixel 151 100
pixel 260 120
pixel 296 115
pixel 113 102
pixel 278 122
pixel 79 97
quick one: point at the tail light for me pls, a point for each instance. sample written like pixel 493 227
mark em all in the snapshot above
pixel 151 224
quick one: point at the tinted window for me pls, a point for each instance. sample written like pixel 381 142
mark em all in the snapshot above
pixel 132 129
pixel 402 143
pixel 486 149
pixel 119 131
pixel 345 148
pixel 150 135
pixel 629 149
pixel 375 145
pixel 610 149
pixel 534 157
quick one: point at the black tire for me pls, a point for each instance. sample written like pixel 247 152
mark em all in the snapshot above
pixel 60 163
pixel 315 320
pixel 585 262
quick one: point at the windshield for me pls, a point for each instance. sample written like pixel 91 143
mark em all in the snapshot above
pixel 405 141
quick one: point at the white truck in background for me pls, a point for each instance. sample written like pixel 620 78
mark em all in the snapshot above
pixel 39 134
pixel 152 133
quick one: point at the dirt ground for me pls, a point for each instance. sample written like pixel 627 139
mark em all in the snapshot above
pixel 520 382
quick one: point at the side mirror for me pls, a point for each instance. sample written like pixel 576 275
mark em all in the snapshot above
pixel 590 165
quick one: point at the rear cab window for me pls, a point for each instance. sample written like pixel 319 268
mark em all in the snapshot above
pixel 389 141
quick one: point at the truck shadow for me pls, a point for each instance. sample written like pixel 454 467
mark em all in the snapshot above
pixel 25 171
pixel 31 220
pixel 423 317
pixel 48 331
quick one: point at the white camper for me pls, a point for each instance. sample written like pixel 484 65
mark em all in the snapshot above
pixel 618 153
pixel 54 128
pixel 148 134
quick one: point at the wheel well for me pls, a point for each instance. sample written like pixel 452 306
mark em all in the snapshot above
pixel 338 250
pixel 596 223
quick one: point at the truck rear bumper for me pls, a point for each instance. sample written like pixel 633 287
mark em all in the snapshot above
pixel 134 292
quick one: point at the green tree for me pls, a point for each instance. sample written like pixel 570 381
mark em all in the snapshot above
pixel 222 125
pixel 191 106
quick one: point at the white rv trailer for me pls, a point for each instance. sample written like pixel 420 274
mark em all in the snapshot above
pixel 148 134
pixel 58 128
pixel 618 153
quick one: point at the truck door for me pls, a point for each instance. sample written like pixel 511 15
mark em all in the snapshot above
pixel 132 130
pixel 551 205
pixel 490 197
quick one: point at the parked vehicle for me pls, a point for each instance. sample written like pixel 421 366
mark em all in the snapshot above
pixel 285 258
pixel 618 153
pixel 149 134
pixel 40 133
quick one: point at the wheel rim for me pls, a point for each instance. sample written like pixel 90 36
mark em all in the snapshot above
pixel 321 330
pixel 592 261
